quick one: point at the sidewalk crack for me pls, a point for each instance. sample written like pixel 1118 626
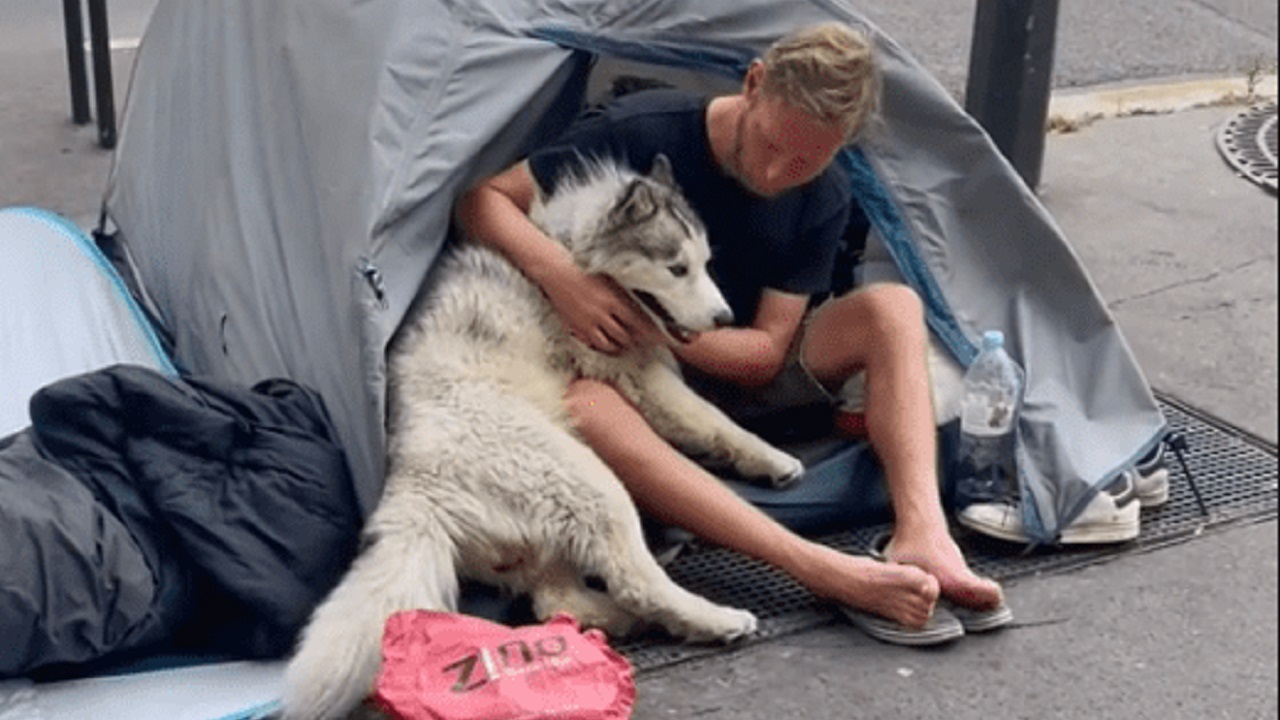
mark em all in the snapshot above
pixel 1186 283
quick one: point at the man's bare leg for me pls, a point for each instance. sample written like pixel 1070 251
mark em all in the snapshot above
pixel 881 329
pixel 674 490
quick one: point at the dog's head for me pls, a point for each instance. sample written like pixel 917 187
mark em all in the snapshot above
pixel 652 244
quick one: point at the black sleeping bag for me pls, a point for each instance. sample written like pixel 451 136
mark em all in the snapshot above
pixel 138 511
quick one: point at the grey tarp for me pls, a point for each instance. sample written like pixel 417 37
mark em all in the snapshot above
pixel 286 171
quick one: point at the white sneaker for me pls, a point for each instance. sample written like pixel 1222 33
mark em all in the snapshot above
pixel 1112 516
pixel 1152 482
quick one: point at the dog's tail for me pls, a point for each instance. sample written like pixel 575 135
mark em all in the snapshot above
pixel 407 567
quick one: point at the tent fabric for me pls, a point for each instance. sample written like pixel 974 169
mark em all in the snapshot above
pixel 286 172
pixel 66 311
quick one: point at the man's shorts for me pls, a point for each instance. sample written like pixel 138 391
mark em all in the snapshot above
pixel 794 406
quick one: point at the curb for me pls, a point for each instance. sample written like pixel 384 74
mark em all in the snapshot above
pixel 1072 110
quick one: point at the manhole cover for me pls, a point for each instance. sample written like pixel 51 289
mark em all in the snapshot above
pixel 1248 142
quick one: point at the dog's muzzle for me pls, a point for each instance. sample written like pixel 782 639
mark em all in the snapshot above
pixel 678 332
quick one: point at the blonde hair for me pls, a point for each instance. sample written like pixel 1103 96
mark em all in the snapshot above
pixel 828 71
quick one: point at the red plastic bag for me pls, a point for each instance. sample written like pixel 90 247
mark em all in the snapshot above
pixel 444 666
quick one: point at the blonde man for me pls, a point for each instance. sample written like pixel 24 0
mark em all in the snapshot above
pixel 758 167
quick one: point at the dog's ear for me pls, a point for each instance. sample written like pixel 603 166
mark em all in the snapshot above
pixel 638 203
pixel 661 171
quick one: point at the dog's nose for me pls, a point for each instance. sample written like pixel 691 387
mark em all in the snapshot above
pixel 724 318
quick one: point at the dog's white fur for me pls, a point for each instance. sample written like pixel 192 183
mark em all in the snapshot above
pixel 486 478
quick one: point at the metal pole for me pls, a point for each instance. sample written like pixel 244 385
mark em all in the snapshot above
pixel 73 25
pixel 100 40
pixel 1010 70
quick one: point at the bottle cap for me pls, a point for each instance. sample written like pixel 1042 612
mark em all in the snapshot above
pixel 992 339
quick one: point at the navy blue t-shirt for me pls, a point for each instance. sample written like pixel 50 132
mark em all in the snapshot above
pixel 787 242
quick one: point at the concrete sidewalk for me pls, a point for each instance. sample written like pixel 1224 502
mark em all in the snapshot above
pixel 1184 252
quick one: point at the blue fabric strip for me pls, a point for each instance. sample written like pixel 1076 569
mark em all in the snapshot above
pixel 257 712
pixel 723 60
pixel 880 208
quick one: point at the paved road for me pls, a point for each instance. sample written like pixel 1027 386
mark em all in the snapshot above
pixel 1099 41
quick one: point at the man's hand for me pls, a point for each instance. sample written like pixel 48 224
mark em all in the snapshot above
pixel 594 309
pixel 599 313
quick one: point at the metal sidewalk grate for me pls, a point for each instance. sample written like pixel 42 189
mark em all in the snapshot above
pixel 1248 143
pixel 1235 472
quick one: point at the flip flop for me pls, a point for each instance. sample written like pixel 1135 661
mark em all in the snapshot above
pixel 980 621
pixel 973 621
pixel 942 628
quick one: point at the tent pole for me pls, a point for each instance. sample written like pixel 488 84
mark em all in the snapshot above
pixel 104 90
pixel 73 26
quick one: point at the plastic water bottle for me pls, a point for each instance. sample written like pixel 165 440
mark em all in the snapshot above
pixel 992 396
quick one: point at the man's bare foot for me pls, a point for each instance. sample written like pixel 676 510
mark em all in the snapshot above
pixel 901 593
pixel 940 556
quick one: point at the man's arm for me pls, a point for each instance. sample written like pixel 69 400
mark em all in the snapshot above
pixel 754 355
pixel 595 310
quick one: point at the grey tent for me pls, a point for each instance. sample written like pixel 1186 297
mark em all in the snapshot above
pixel 286 171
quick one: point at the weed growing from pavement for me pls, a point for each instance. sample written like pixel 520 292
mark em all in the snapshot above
pixel 1259 67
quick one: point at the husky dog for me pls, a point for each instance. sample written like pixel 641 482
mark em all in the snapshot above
pixel 486 479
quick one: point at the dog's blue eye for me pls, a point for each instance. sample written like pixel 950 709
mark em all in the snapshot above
pixel 679 270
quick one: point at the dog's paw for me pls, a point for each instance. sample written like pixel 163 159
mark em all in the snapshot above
pixel 772 466
pixel 721 624
pixel 607 617
pixel 790 469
